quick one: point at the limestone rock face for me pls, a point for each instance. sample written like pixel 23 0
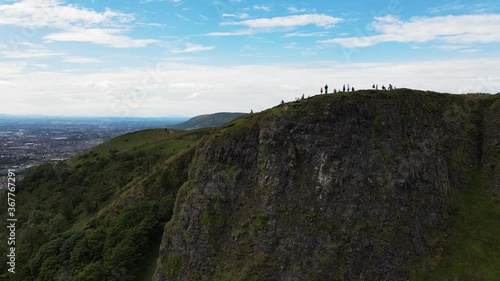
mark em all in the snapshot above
pixel 338 187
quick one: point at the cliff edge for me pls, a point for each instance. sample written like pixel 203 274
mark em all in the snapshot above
pixel 350 186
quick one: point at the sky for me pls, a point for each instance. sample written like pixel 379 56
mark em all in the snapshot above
pixel 185 58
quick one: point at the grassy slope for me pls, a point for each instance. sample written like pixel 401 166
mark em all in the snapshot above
pixel 164 141
pixel 472 248
pixel 113 168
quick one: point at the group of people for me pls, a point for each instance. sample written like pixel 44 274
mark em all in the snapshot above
pixel 349 89
pixel 375 87
pixel 344 89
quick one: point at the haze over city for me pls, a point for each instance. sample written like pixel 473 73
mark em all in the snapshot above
pixel 179 57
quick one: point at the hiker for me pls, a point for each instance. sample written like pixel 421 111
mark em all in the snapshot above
pixel 390 86
pixel 321 91
pixel 343 88
pixel 352 89
pixel 334 91
pixel 302 96
pixel 326 89
pixel 373 86
pixel 282 101
pixel 251 111
pixel 376 87
pixel 383 87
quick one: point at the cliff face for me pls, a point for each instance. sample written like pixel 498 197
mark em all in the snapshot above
pixel 338 187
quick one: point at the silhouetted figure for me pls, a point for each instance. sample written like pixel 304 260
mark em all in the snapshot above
pixel 373 86
pixel 302 96
pixel 383 88
pixel 390 87
pixel 334 91
pixel 326 89
pixel 282 102
pixel 321 91
pixel 376 87
pixel 352 89
pixel 343 88
pixel 251 111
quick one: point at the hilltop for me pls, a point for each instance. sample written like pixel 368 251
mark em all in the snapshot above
pixel 208 120
pixel 370 185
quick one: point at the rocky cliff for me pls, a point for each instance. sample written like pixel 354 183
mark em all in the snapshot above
pixel 353 186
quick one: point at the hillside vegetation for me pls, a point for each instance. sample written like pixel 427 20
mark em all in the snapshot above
pixel 370 185
pixel 76 224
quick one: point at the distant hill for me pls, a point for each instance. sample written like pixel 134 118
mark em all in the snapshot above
pixel 208 120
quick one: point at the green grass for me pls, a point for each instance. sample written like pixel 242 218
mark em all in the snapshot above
pixel 472 250
pixel 174 266
pixel 162 141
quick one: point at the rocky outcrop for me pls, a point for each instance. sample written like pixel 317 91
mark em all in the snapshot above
pixel 338 187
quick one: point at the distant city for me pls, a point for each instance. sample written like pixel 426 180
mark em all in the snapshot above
pixel 26 142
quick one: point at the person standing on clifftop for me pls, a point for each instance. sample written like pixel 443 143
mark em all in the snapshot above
pixel 326 89
pixel 321 91
pixel 343 88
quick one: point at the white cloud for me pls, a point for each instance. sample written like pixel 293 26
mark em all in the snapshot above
pixel 468 51
pixel 301 34
pixel 262 7
pixel 295 10
pixel 181 17
pixel 31 45
pixel 135 92
pixel 99 36
pixel 7 69
pixel 188 85
pixel 74 23
pixel 39 65
pixel 232 33
pixel 462 29
pixel 29 53
pixel 289 21
pixel 447 7
pixel 240 16
pixel 53 13
pixel 150 1
pixel 451 47
pixel 192 48
pixel 194 95
pixel 72 59
pixel 152 24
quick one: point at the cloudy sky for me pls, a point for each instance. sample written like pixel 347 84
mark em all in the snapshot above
pixel 187 57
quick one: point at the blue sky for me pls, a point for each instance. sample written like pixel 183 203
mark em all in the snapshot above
pixel 182 57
